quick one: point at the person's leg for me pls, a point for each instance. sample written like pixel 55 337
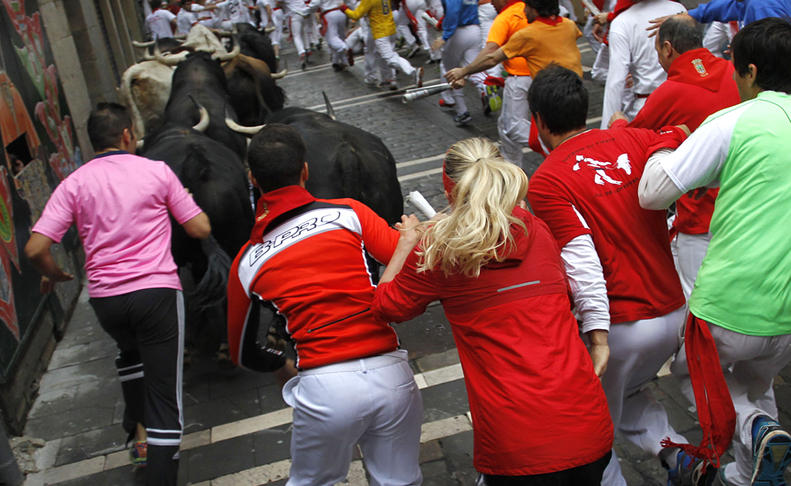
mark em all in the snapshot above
pixel 691 251
pixel 336 22
pixel 297 22
pixel 384 48
pixel 330 415
pixel 637 352
pixel 513 125
pixel 114 318
pixel 158 319
pixel 391 445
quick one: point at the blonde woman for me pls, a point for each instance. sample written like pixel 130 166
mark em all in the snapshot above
pixel 538 409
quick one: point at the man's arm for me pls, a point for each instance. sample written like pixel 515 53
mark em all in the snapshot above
pixel 616 76
pixel 490 56
pixel 38 252
pixel 361 10
pixel 198 227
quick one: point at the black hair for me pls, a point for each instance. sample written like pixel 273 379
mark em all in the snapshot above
pixel 682 32
pixel 276 156
pixel 765 43
pixel 558 95
pixel 545 8
pixel 106 124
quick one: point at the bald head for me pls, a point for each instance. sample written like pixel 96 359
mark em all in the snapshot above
pixel 682 32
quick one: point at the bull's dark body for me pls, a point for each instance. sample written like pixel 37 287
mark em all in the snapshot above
pixel 253 92
pixel 256 44
pixel 201 78
pixel 218 182
pixel 346 161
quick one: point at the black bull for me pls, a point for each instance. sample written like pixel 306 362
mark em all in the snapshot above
pixel 345 161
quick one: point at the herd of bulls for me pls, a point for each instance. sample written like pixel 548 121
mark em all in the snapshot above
pixel 194 105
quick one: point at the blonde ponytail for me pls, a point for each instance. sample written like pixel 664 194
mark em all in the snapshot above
pixel 477 229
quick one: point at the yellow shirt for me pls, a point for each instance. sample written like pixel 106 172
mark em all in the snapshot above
pixel 507 23
pixel 546 41
pixel 380 16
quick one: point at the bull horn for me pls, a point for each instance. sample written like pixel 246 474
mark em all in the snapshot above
pixel 139 144
pixel 203 123
pixel 171 60
pixel 143 44
pixel 241 128
pixel 227 57
pixel 269 29
pixel 280 75
pixel 328 105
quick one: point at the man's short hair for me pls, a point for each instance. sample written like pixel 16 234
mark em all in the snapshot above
pixel 276 156
pixel 545 8
pixel 558 95
pixel 682 32
pixel 106 124
pixel 767 44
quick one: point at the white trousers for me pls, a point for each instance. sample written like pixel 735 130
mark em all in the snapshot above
pixel 372 401
pixel 513 126
pixel 690 251
pixel 460 50
pixel 278 16
pixel 336 32
pixel 299 32
pixel 638 350
pixel 749 364
pixel 417 7
pixel 387 55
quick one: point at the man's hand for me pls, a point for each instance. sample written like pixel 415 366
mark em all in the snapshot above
pixel 598 32
pixel 455 74
pixel 655 24
pixel 286 372
pixel 437 44
pixel 599 350
pixel 618 115
pixel 684 129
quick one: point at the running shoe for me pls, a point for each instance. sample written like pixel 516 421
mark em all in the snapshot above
pixel 462 119
pixel 138 453
pixel 419 77
pixel 771 452
pixel 690 471
pixel 388 84
pixel 445 104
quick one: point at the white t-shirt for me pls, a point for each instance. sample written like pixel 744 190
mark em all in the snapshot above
pixel 159 23
pixel 184 21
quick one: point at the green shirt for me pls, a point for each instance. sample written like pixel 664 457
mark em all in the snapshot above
pixel 744 283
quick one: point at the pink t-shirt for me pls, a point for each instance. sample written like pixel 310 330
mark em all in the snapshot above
pixel 120 204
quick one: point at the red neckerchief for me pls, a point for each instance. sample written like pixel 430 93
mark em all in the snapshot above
pixel 713 401
pixel 553 21
pixel 698 67
pixel 275 203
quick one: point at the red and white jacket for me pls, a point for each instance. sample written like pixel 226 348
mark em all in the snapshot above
pixel 307 258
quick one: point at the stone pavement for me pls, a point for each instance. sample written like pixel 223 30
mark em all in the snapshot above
pixel 237 427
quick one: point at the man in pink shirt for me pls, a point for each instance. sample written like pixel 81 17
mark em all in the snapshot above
pixel 121 205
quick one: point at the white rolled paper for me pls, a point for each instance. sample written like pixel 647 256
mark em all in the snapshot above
pixel 419 202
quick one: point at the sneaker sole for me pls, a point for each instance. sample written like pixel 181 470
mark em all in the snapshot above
pixel 774 453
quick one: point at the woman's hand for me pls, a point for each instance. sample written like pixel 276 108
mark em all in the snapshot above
pixel 408 229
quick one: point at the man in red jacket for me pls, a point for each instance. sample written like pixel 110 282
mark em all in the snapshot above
pixel 698 84
pixel 306 260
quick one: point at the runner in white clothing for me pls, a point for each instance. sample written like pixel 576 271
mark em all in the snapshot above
pixel 632 52
pixel 161 21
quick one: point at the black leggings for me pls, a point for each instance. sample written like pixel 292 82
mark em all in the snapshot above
pixel 148 326
pixel 587 475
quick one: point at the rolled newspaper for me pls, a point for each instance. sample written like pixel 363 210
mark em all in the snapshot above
pixel 417 93
pixel 428 18
pixel 591 7
pixel 419 202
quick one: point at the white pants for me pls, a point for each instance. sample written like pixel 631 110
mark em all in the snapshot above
pixel 277 22
pixel 690 251
pixel 513 126
pixel 372 401
pixel 416 8
pixel 336 32
pixel 299 35
pixel 460 50
pixel 638 350
pixel 402 27
pixel 387 55
pixel 749 364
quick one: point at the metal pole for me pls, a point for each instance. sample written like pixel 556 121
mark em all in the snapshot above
pixel 10 475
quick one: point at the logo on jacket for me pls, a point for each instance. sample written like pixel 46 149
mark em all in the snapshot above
pixel 700 68
pixel 601 169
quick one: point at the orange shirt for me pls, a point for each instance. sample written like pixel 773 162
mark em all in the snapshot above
pixel 545 41
pixel 508 22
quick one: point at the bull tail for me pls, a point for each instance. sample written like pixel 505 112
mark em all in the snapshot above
pixel 210 291
pixel 328 105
